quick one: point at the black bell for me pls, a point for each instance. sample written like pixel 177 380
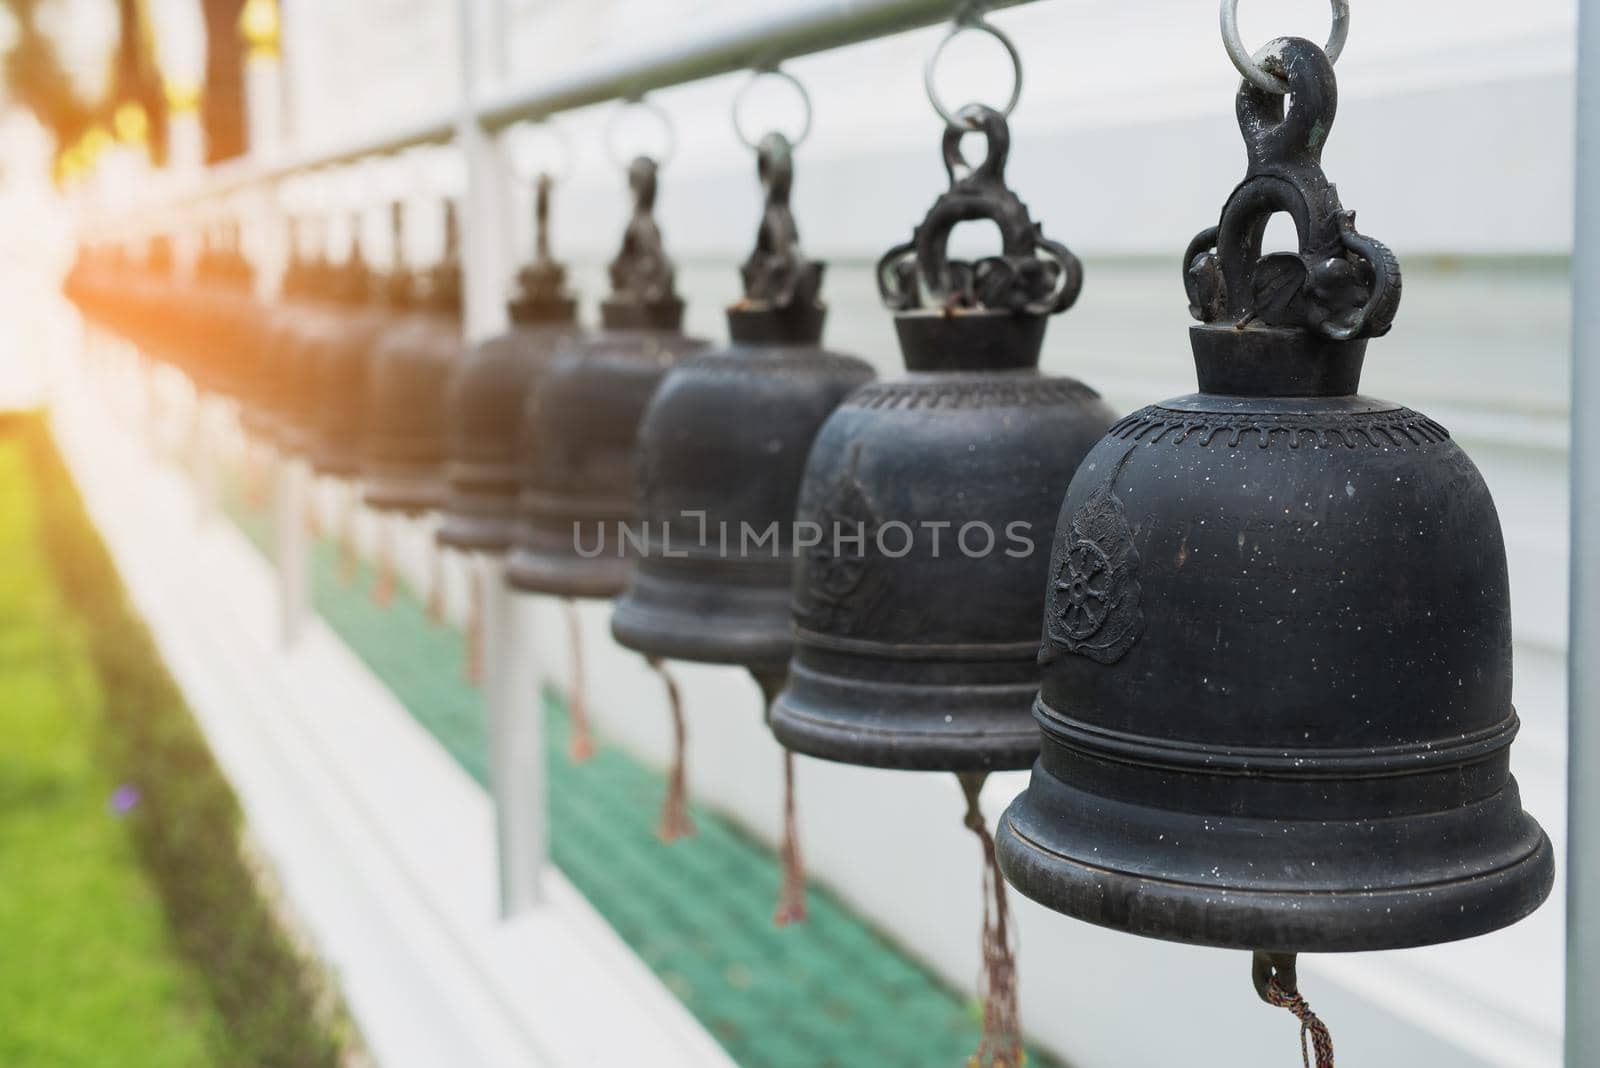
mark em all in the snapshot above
pixel 583 420
pixel 721 455
pixel 360 312
pixel 301 319
pixel 488 397
pixel 1276 708
pixel 931 498
pixel 403 443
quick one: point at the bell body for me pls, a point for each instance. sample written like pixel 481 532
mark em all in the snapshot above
pixel 582 429
pixel 1277 708
pixel 484 408
pixel 916 613
pixel 339 361
pixel 403 441
pixel 285 374
pixel 722 453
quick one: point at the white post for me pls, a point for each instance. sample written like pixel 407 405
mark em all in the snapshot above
pixel 1583 641
pixel 515 712
pixel 516 744
pixel 263 78
pixel 291 505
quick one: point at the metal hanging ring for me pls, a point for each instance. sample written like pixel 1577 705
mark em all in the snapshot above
pixel 669 131
pixel 1250 65
pixel 755 77
pixel 558 133
pixel 929 71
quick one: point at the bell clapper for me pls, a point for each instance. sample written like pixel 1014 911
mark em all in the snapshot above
pixel 1278 985
pixel 1001 1044
pixel 792 894
pixel 581 749
pixel 675 822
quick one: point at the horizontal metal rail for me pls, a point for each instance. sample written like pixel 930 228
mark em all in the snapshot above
pixel 764 39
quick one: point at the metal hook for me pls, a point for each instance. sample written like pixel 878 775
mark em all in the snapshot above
pixel 1251 66
pixel 974 21
pixel 739 99
pixel 670 132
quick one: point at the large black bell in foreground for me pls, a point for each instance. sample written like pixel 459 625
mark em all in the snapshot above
pixel 360 312
pixel 721 456
pixel 931 499
pixel 1277 704
pixel 488 397
pixel 583 421
pixel 403 446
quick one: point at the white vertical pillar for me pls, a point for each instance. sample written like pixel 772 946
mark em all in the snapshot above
pixel 291 504
pixel 515 712
pixel 1583 648
pixel 516 744
pixel 263 78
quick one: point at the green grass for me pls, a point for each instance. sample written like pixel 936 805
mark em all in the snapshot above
pixel 88 972
pixel 137 941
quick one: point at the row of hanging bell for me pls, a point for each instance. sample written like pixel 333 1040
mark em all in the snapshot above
pixel 720 460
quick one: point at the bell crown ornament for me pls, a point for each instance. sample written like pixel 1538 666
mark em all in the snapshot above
pixel 1003 299
pixel 643 278
pixel 541 293
pixel 1276 710
pixel 722 451
pixel 916 613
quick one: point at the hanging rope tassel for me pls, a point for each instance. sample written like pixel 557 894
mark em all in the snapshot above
pixel 675 822
pixel 472 669
pixel 1001 1044
pixel 383 589
pixel 435 584
pixel 582 747
pixel 792 898
pixel 1278 985
pixel 348 561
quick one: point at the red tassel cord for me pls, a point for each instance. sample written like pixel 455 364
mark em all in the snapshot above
pixel 582 745
pixel 1279 987
pixel 1001 1043
pixel 675 822
pixel 792 897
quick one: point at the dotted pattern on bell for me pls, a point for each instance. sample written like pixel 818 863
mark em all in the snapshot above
pixel 829 993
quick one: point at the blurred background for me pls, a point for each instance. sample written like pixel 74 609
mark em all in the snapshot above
pixel 1453 142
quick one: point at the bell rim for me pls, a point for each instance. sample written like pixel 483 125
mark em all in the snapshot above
pixel 1217 916
pixel 900 749
pixel 738 639
pixel 478 533
pixel 566 575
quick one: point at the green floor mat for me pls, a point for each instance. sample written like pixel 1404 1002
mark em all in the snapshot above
pixel 829 993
